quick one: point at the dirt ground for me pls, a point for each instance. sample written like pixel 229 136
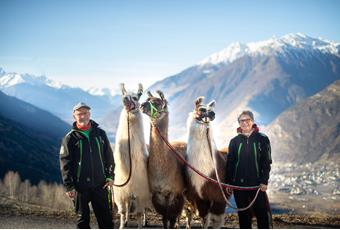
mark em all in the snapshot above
pixel 18 215
pixel 33 221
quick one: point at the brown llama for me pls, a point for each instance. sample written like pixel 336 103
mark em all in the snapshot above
pixel 164 170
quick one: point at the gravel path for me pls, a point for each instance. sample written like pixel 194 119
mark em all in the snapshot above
pixel 34 222
pixel 40 222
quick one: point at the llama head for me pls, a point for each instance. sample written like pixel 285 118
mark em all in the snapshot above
pixel 204 113
pixel 130 99
pixel 155 107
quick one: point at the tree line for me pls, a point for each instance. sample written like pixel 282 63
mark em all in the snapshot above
pixel 44 194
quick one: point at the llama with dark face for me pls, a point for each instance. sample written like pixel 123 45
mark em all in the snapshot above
pixel 202 154
pixel 137 189
pixel 165 172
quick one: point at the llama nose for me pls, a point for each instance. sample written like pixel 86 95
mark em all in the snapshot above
pixel 126 100
pixel 143 107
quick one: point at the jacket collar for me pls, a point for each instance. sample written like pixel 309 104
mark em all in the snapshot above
pixel 256 129
pixel 93 125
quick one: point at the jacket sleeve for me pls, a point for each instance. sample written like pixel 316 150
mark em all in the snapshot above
pixel 66 162
pixel 230 167
pixel 108 158
pixel 266 160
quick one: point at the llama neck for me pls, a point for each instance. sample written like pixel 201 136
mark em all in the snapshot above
pixel 156 142
pixel 198 135
pixel 134 122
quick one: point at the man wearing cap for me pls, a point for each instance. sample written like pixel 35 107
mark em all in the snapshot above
pixel 86 163
pixel 248 164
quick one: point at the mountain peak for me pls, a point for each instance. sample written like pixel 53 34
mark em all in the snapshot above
pixel 2 72
pixel 12 79
pixel 272 46
pixel 103 91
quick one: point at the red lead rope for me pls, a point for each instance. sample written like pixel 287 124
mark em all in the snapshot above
pixel 179 157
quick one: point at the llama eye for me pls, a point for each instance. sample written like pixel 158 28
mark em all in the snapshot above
pixel 134 98
pixel 203 110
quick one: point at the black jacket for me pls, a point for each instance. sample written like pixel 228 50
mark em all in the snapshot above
pixel 249 160
pixel 86 162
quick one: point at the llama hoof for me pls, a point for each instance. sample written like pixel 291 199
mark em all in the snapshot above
pixel 145 224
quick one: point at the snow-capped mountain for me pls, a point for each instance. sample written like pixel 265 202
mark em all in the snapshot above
pixel 267 77
pixel 53 96
pixel 2 72
pixel 273 46
pixel 111 92
pixel 13 79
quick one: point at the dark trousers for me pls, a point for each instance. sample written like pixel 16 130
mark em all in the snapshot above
pixel 100 204
pixel 260 207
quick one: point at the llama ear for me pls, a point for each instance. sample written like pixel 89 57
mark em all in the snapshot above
pixel 149 94
pixel 198 101
pixel 212 104
pixel 122 88
pixel 140 90
pixel 161 94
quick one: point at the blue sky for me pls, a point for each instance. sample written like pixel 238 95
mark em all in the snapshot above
pixel 102 43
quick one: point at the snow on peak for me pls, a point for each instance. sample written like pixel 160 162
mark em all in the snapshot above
pixel 231 53
pixel 272 46
pixel 12 79
pixel 2 72
pixel 102 91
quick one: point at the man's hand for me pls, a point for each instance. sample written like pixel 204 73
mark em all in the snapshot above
pixel 229 191
pixel 71 194
pixel 109 183
pixel 263 187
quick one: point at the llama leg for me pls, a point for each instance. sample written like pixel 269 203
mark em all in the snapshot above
pixel 127 213
pixel 139 209
pixel 121 212
pixel 217 221
pixel 173 223
pixel 188 219
pixel 217 210
pixel 206 221
pixel 203 210
pixel 178 222
pixel 140 219
pixel 145 222
pixel 165 222
pixel 122 220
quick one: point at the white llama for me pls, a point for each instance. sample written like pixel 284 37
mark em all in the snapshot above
pixel 203 155
pixel 138 186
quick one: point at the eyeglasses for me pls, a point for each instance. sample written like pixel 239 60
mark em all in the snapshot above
pixel 245 120
pixel 81 114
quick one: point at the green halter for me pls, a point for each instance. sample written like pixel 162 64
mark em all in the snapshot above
pixel 153 110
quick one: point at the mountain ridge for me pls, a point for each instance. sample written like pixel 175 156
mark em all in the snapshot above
pixel 310 129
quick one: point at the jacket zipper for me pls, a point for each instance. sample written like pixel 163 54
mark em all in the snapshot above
pixel 100 155
pixel 80 160
pixel 238 159
pixel 256 164
pixel 91 163
pixel 247 155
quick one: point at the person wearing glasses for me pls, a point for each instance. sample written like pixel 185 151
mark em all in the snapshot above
pixel 86 164
pixel 248 164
